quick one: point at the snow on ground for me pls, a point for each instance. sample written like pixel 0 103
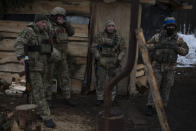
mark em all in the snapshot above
pixel 190 59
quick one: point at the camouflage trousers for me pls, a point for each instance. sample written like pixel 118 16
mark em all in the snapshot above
pixel 58 69
pixel 103 77
pixel 38 94
pixel 165 81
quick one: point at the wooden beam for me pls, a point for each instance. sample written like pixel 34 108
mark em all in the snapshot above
pixel 74 48
pixel 152 2
pixel 109 1
pixel 45 6
pixel 152 82
pixel 81 30
pixel 176 4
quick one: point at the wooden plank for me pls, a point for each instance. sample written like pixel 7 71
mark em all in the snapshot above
pixel 140 67
pixel 11 67
pixel 13 35
pixel 76 86
pixel 8 76
pixel 7 45
pixel 74 48
pixel 45 6
pixel 11 59
pixel 8 35
pixel 81 30
pixel 7 54
pixel 140 73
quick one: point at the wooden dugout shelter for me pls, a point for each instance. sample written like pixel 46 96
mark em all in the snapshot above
pixel 79 45
pixel 15 20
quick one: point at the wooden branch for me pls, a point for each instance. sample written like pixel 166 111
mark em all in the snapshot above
pixel 153 83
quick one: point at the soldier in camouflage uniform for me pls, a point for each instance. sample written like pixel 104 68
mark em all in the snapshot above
pixel 60 30
pixel 35 41
pixel 165 48
pixel 109 50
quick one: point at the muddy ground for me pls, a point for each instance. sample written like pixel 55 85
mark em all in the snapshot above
pixel 181 110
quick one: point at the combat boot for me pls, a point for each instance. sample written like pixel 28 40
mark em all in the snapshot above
pixel 49 123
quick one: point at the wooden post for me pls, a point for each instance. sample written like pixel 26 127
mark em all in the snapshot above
pixel 152 81
pixel 132 89
pixel 25 116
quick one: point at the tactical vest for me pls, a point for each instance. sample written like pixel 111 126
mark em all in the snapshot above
pixel 61 38
pixel 166 54
pixel 109 49
pixel 40 42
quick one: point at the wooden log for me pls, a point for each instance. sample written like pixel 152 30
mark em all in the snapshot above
pixel 81 30
pixel 141 81
pixel 11 59
pixel 25 115
pixel 74 48
pixel 13 35
pixel 152 82
pixel 140 73
pixel 7 45
pixel 7 76
pixel 11 67
pixel 45 6
pixel 7 54
pixel 132 87
pixel 140 67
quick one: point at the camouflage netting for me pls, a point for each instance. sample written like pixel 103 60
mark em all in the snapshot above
pixel 6 5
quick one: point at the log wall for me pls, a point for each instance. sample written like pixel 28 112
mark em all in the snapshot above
pixel 78 44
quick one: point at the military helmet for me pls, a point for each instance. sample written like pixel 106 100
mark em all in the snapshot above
pixel 169 21
pixel 58 11
pixel 40 17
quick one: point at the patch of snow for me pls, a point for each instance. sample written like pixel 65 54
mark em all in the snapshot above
pixel 190 59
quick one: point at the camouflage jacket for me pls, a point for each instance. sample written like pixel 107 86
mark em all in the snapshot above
pixel 60 33
pixel 164 50
pixel 35 43
pixel 108 49
pixel 31 36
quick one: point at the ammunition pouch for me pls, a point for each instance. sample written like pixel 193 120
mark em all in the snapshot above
pixel 165 56
pixel 42 49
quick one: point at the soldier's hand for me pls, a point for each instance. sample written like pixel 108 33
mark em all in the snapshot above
pixel 22 61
